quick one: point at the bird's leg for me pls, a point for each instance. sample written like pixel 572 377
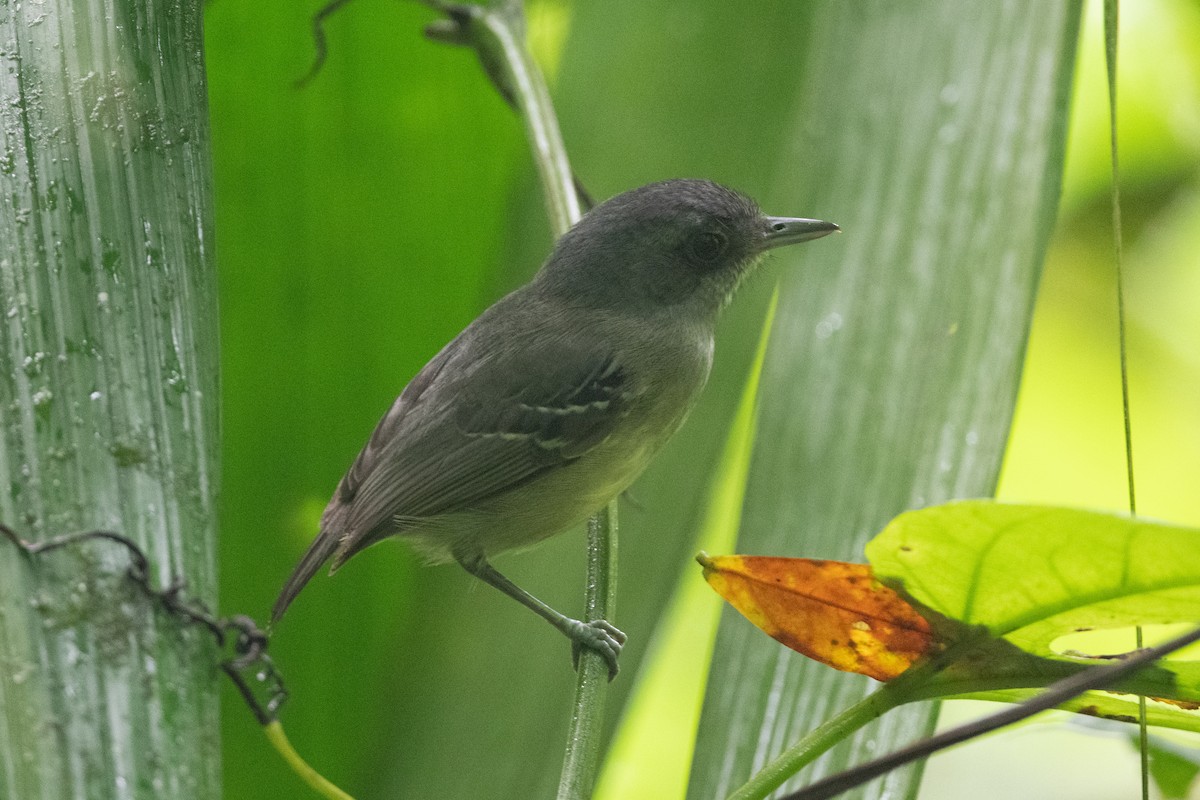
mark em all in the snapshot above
pixel 599 635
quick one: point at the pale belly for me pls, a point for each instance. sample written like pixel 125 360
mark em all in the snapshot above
pixel 564 496
pixel 554 502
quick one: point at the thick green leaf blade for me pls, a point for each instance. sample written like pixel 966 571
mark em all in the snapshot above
pixel 934 136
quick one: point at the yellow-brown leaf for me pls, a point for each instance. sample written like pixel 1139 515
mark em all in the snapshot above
pixel 831 611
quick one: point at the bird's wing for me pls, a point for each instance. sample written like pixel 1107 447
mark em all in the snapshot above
pixel 333 520
pixel 474 423
pixel 389 428
pixel 513 418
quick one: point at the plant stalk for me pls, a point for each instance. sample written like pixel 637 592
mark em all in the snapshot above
pixel 825 736
pixel 497 33
pixel 109 390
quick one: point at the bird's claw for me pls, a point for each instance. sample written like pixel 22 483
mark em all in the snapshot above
pixel 601 636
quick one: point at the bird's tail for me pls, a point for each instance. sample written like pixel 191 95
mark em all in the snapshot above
pixel 317 554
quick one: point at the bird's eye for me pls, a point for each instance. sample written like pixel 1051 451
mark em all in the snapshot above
pixel 708 247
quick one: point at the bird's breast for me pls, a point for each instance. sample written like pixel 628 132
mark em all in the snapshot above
pixel 663 367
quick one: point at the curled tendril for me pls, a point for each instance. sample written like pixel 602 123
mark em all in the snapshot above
pixel 249 642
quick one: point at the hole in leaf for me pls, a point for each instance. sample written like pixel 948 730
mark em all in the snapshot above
pixel 1085 643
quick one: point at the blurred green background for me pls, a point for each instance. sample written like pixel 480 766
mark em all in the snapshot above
pixel 363 219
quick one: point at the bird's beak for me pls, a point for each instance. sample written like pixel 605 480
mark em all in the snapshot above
pixel 782 231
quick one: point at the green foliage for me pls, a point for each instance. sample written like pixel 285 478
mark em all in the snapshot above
pixel 1008 583
pixel 1031 574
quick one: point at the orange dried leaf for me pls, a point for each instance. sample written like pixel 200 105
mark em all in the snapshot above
pixel 831 611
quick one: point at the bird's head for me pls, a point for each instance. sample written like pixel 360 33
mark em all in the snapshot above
pixel 670 245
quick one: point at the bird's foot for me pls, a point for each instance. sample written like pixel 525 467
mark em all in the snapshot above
pixel 599 635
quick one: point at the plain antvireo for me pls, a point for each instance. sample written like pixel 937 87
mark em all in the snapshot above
pixel 556 398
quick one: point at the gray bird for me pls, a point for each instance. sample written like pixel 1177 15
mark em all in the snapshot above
pixel 556 398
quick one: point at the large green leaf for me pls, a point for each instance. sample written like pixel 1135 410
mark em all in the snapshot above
pixel 1031 574
pixel 934 135
pixel 1014 581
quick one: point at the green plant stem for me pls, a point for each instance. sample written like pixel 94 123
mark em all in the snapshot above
pixel 316 781
pixel 584 745
pixel 1104 675
pixel 497 34
pixel 921 683
pixel 826 735
pixel 1111 17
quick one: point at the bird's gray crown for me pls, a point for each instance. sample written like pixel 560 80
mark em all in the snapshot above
pixel 676 242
